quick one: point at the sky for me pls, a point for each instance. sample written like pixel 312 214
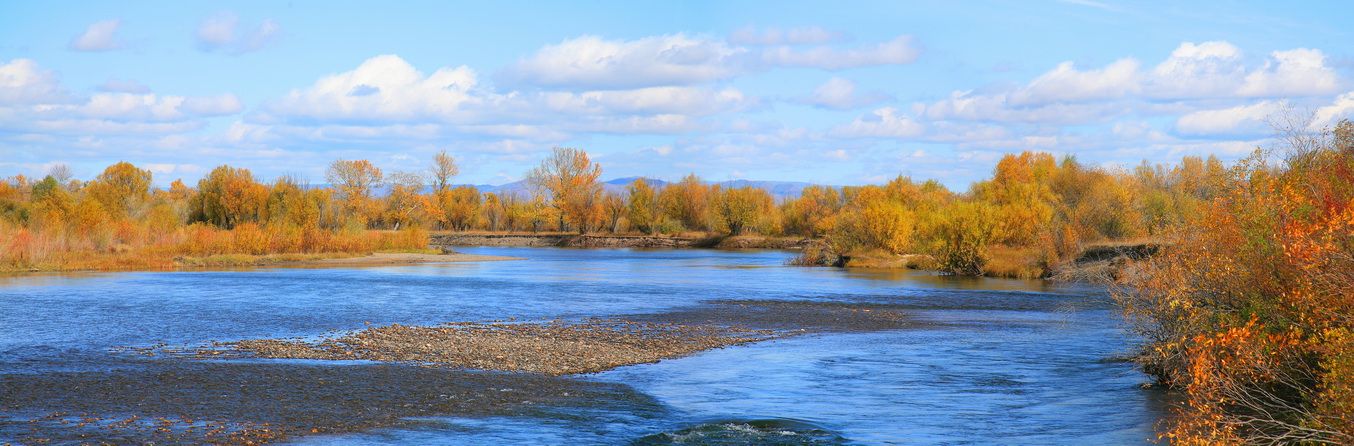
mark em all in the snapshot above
pixel 835 93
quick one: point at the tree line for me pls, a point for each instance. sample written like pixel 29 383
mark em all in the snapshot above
pixel 1036 210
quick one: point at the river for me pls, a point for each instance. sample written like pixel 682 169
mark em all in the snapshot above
pixel 990 361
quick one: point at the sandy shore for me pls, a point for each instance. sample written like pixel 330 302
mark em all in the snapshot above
pixel 379 259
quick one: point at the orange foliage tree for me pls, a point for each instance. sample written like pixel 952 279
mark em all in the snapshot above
pixel 570 179
pixel 1250 310
pixel 353 182
pixel 120 188
pixel 688 202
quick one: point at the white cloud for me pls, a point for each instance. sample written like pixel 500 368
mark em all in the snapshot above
pixel 663 150
pixel 1297 72
pixel 218 30
pixel 33 101
pixel 381 89
pixel 1066 84
pixel 386 90
pixel 1209 69
pixel 666 124
pixel 997 107
pixel 840 94
pixel 223 31
pixel 98 37
pixel 692 101
pixel 1211 74
pixel 23 81
pixel 750 35
pixel 1218 69
pixel 221 105
pixel 1245 119
pixel 882 123
pixel 899 51
pixel 594 63
pixel 591 62
pixel 1341 108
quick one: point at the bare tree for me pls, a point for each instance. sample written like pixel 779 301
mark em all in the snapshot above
pixel 442 171
pixel 62 174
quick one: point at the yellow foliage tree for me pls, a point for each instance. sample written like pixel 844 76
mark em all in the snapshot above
pixel 120 189
pixel 570 180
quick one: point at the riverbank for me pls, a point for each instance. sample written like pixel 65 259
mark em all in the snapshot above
pixel 131 262
pixel 455 239
pixel 1101 263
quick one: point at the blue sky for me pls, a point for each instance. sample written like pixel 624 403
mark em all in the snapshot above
pixel 847 94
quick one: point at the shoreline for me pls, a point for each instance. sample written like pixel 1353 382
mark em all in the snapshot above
pixel 713 241
pixel 381 259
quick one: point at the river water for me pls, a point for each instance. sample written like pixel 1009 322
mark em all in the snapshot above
pixel 990 362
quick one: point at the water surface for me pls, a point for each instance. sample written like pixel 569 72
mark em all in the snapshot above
pixel 996 361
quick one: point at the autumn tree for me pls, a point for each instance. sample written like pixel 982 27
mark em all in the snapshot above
pixel 962 237
pixel 227 197
pixel 643 209
pixel 740 208
pixel 688 202
pixel 1022 196
pixel 1247 310
pixel 121 188
pixel 613 210
pixel 404 203
pixel 353 182
pixel 461 207
pixel 288 204
pixel 812 214
pixel 570 180
pixel 874 219
pixel 51 204
pixel 442 171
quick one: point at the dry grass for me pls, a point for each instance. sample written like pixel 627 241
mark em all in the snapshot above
pixel 1014 263
pixel 127 246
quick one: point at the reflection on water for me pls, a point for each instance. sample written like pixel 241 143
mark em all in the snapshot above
pixel 996 361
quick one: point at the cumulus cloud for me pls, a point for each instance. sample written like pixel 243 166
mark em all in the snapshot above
pixel 591 62
pixel 840 94
pixel 1245 119
pixel 691 101
pixel 997 107
pixel 886 122
pixel 383 88
pixel 386 89
pixel 1341 108
pixel 1209 69
pixel 1066 84
pixel 23 81
pixel 1212 71
pixel 1297 72
pixel 98 37
pixel 223 32
pixel 751 35
pixel 899 51
pixel 32 100
pixel 594 63
pixel 1219 69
